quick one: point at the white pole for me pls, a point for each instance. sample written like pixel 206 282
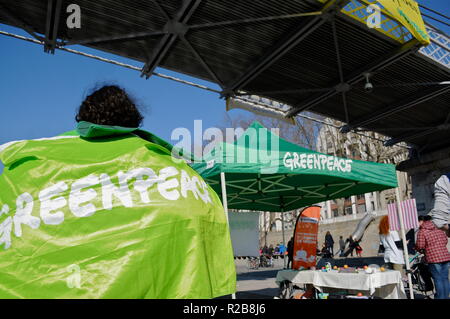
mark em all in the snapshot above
pixel 225 205
pixel 224 194
pixel 354 208
pixel 405 247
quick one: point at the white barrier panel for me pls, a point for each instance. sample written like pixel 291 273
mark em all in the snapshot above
pixel 244 230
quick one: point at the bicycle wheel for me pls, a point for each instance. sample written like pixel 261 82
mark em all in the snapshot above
pixel 251 263
pixel 286 290
pixel 417 284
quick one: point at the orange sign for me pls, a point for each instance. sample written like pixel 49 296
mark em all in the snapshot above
pixel 305 238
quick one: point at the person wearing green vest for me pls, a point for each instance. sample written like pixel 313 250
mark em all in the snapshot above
pixel 106 211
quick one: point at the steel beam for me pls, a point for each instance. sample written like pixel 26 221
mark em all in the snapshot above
pixel 202 61
pixel 252 20
pixel 358 75
pixel 51 27
pixel 18 22
pixel 161 9
pixel 123 37
pixel 419 97
pixel 284 46
pixel 343 88
pixel 175 27
pixel 393 141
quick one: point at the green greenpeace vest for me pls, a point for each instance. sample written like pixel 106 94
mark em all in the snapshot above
pixel 105 212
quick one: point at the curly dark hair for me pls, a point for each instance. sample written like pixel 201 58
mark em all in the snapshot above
pixel 110 105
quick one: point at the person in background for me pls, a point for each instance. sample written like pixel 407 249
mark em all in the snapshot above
pixel 411 235
pixel 282 249
pixel 341 246
pixel 325 252
pixel 392 246
pixel 290 250
pixel 265 250
pixel 329 241
pixel 277 250
pixel 432 242
pixel 351 245
pixel 440 213
pixel 270 251
pixel 358 249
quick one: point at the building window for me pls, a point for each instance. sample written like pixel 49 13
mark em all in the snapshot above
pixel 361 209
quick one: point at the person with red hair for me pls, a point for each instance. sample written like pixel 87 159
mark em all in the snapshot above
pixel 392 246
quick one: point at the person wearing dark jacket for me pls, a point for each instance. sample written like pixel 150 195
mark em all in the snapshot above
pixel 329 241
pixel 290 249
pixel 341 246
pixel 351 246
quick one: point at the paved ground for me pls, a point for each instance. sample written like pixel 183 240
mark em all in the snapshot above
pixel 258 284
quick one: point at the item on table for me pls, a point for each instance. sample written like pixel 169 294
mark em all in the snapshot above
pixel 357 297
pixel 369 270
pixel 349 270
pixel 323 295
pixel 374 268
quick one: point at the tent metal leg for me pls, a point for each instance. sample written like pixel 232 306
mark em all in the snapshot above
pixel 225 205
pixel 405 247
pixel 284 239
pixel 224 194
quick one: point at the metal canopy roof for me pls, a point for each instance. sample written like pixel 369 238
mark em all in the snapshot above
pixel 305 54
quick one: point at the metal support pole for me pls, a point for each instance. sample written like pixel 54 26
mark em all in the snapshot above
pixel 265 228
pixel 224 194
pixel 405 247
pixel 284 239
pixel 225 205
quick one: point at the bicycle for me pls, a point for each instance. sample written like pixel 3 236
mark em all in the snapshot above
pixel 420 276
pixel 266 261
pixel 253 263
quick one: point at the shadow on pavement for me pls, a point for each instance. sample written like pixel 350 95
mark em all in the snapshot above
pixel 258 275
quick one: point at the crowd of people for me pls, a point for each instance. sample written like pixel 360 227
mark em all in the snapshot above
pixel 279 249
pixel 327 250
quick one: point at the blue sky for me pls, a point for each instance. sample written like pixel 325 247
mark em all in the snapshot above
pixel 39 92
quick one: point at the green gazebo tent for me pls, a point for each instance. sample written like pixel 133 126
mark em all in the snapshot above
pixel 267 173
pixel 262 172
